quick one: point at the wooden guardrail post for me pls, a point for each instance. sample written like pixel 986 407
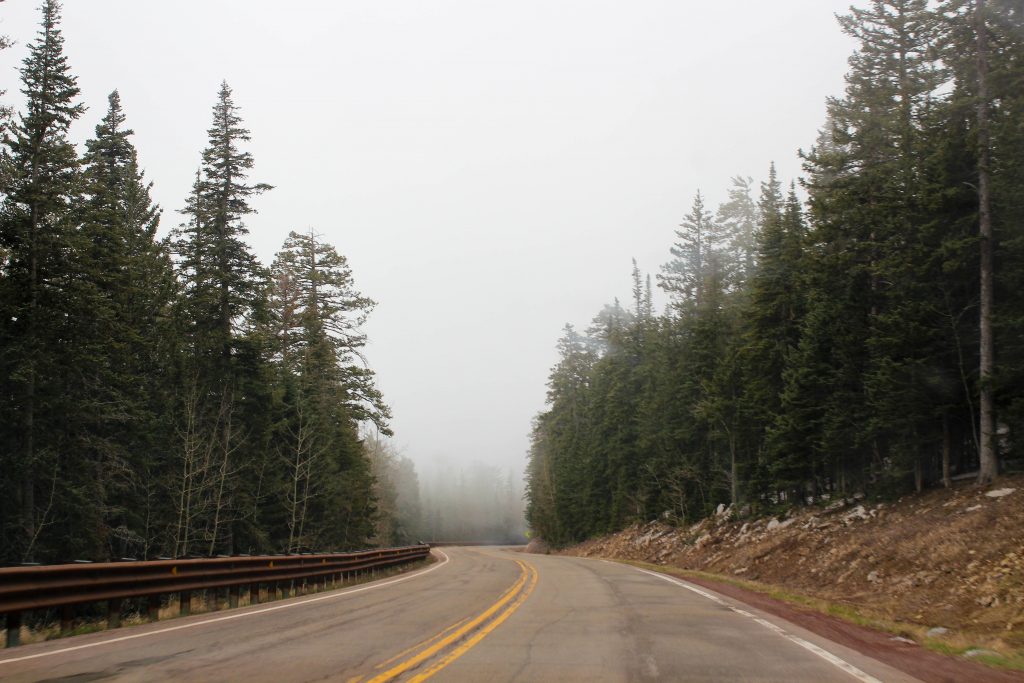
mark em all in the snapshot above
pixel 254 594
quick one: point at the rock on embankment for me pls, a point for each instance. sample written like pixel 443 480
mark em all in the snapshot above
pixel 951 559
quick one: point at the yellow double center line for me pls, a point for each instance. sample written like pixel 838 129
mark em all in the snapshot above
pixel 459 641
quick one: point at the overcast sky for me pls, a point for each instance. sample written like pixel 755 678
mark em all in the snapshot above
pixel 489 168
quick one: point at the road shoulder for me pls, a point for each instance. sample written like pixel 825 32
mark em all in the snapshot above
pixel 901 654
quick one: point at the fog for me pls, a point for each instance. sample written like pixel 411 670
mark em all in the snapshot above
pixel 489 169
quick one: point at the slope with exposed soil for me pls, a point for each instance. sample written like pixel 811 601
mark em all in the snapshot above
pixel 945 568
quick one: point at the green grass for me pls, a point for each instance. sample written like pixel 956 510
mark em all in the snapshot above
pixel 1012 662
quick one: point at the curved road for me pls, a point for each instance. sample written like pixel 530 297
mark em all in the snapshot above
pixel 480 614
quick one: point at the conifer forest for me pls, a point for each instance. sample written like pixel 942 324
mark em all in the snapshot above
pixel 167 395
pixel 859 330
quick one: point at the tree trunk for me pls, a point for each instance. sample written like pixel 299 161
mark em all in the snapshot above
pixel 734 475
pixel 946 447
pixel 987 451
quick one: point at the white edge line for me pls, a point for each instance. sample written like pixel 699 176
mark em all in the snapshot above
pixel 811 647
pixel 229 617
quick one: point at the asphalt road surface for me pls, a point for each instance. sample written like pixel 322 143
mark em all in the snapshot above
pixel 479 614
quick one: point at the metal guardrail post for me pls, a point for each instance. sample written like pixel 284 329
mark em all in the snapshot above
pixel 114 613
pixel 67 614
pixel 14 629
pixel 62 587
pixel 153 607
pixel 184 603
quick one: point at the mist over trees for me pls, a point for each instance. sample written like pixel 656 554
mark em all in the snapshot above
pixel 167 395
pixel 867 339
pixel 445 504
pixel 480 503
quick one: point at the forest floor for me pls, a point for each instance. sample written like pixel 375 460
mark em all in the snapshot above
pixel 944 568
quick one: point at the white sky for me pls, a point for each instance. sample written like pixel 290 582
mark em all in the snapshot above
pixel 489 168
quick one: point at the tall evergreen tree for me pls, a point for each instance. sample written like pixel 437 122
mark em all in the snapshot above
pixel 38 238
pixel 129 338
pixel 772 317
pixel 224 296
pixel 318 316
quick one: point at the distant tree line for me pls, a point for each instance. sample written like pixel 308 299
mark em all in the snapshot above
pixel 478 503
pixel 166 395
pixel 397 492
pixel 869 339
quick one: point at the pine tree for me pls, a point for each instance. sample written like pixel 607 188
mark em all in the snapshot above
pixel 224 282
pixel 224 296
pixel 739 218
pixel 38 238
pixel 129 339
pixel 866 208
pixel 695 256
pixel 318 317
pixel 556 476
pixel 317 303
pixel 772 314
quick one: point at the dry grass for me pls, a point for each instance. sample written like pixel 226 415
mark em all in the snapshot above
pixel 953 559
pixel 950 644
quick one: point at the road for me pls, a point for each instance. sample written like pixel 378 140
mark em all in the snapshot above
pixel 479 614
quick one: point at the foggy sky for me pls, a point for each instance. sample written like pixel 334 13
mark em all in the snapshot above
pixel 489 168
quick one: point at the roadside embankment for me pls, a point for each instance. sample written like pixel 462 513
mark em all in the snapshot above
pixel 944 568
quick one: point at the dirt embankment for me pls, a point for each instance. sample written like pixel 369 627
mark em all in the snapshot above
pixel 945 568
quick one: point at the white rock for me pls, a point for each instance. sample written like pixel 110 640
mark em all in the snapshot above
pixel 937 631
pixel 856 513
pixel 720 510
pixel 999 493
pixel 773 524
pixel 977 652
pixel 873 577
pixel 972 508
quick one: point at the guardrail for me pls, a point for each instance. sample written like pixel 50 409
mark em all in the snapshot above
pixel 65 586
